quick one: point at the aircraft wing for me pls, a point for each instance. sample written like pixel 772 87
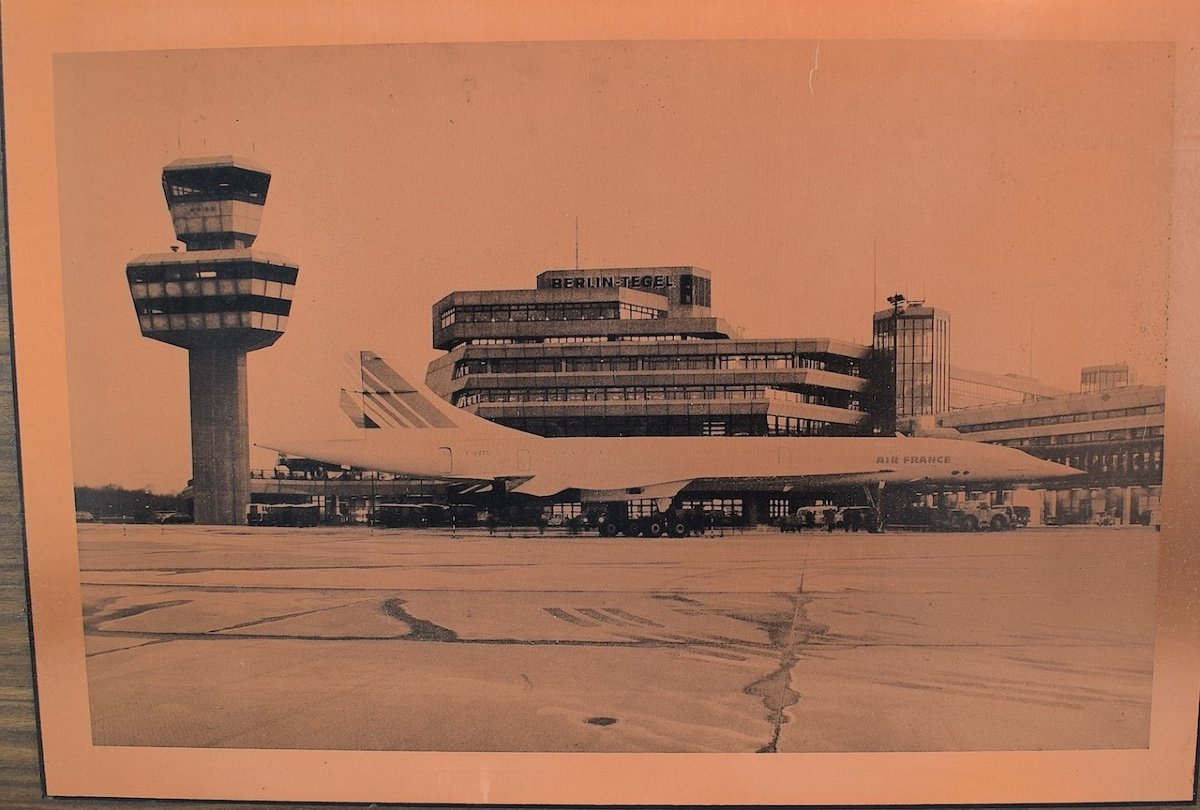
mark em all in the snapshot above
pixel 784 483
pixel 543 485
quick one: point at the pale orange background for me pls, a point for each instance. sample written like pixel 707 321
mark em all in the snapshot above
pixel 35 31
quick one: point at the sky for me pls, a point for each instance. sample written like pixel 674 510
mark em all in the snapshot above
pixel 1025 187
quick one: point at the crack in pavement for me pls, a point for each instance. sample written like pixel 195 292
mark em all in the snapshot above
pixel 788 632
pixel 284 616
pixel 148 643
pixel 419 629
pixel 95 615
pixel 775 689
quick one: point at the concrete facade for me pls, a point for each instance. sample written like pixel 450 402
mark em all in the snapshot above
pixel 636 352
pixel 220 435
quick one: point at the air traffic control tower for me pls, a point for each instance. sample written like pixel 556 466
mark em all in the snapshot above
pixel 218 299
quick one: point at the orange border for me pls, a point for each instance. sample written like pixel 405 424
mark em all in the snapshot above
pixel 34 30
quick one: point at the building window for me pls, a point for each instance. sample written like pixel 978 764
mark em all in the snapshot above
pixel 643 507
pixel 794 426
pixel 726 508
pixel 566 511
pixel 577 339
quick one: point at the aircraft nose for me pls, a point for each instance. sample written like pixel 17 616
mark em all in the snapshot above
pixel 1052 469
pixel 320 450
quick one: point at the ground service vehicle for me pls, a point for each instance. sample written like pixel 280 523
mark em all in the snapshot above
pixel 806 517
pixel 674 522
pixel 287 514
pixel 968 517
pixel 852 518
pixel 975 515
pixel 924 518
pixel 395 515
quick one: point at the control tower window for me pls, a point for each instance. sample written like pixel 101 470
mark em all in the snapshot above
pixel 216 183
pixel 179 191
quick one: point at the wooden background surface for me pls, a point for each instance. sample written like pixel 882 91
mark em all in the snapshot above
pixel 20 765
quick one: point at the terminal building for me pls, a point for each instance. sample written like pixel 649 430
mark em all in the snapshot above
pixel 639 351
pixel 1112 429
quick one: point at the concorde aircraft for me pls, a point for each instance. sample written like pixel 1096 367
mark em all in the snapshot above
pixel 408 430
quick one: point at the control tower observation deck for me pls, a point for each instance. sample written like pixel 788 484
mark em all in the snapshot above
pixel 219 300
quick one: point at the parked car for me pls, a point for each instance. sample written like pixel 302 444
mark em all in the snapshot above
pixel 1021 516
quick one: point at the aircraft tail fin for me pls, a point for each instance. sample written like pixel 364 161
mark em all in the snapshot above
pixel 351 405
pixel 382 399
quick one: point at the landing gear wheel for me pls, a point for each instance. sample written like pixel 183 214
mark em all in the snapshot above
pixel 677 528
pixel 608 529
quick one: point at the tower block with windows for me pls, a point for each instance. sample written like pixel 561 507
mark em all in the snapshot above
pixel 912 343
pixel 219 300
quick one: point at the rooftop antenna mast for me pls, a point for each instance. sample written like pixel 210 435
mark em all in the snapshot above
pixel 576 241
pixel 874 272
pixel 1031 343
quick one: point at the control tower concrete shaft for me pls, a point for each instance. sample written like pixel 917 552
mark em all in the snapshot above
pixel 219 300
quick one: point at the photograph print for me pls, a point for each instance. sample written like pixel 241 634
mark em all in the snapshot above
pixel 634 397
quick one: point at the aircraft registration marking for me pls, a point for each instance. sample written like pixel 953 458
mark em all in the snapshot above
pixel 912 460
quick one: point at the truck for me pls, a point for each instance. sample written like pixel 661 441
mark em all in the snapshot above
pixel 615 519
pixel 976 515
pixel 844 517
pixel 967 516
pixel 921 518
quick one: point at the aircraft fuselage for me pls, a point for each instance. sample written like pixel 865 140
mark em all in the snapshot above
pixel 612 463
